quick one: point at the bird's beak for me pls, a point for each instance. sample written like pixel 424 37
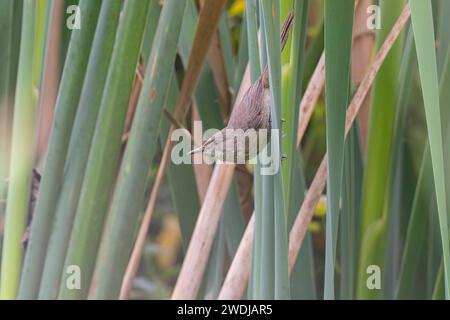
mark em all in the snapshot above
pixel 196 150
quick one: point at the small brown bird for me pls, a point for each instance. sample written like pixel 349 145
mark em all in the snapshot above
pixel 251 114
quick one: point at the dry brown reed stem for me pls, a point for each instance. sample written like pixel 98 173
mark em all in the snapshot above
pixel 362 49
pixel 50 81
pixel 233 289
pixel 237 276
pixel 132 104
pixel 197 255
pixel 140 70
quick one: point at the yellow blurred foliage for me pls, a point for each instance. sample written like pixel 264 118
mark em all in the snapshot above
pixel 237 8
pixel 169 241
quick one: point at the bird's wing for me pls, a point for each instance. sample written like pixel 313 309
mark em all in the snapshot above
pixel 247 113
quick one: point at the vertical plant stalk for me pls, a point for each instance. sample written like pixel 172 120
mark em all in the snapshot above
pixel 302 283
pixel 196 257
pixel 415 231
pixel 338 42
pixel 106 144
pixel 78 153
pixel 422 23
pixel 22 157
pixel 291 98
pixel 242 262
pixel 251 16
pixel 66 104
pixel 272 34
pixel 374 216
pixel 9 28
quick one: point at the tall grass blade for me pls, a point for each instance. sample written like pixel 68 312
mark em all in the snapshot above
pixel 422 22
pixel 251 15
pixel 22 156
pixel 10 27
pixel 338 40
pixel 271 16
pixel 302 277
pixel 65 109
pixel 77 156
pixel 374 214
pixel 128 199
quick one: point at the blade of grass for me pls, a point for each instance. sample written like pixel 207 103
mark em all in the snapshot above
pixel 9 75
pixel 105 146
pixel 422 23
pixel 251 15
pixel 275 182
pixel 154 11
pixel 351 195
pixel 79 145
pixel 417 226
pixel 374 216
pixel 66 104
pixel 399 196
pixel 291 98
pixel 338 42
pixel 302 278
pixel 439 290
pixel 21 158
pixel 6 108
pixel 443 34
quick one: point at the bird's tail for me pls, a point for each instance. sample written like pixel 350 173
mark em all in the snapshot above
pixel 287 25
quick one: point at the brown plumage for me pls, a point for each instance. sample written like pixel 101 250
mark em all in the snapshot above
pixel 35 183
pixel 252 112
